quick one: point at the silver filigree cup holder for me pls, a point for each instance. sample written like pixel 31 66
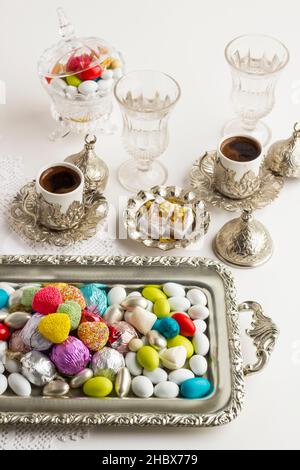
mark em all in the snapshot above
pixel 42 222
pixel 51 216
pixel 242 242
pixel 228 184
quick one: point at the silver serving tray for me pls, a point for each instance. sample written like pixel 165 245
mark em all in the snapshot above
pixel 227 371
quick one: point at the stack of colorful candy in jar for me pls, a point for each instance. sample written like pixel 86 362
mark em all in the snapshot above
pixel 86 75
pixel 107 341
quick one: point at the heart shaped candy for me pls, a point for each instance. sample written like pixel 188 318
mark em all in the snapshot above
pixel 55 327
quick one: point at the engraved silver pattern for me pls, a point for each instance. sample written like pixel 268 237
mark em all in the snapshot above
pixel 283 157
pixel 243 242
pixel 184 197
pixel 264 334
pixel 202 181
pixel 24 220
pixel 227 184
pixel 94 169
pixel 224 416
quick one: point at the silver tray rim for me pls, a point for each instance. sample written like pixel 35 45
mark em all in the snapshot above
pixel 224 416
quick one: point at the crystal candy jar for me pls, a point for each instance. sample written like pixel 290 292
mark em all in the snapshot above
pixel 146 99
pixel 79 75
pixel 255 62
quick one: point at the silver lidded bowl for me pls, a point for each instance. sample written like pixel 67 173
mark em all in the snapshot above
pixel 166 217
pixel 283 157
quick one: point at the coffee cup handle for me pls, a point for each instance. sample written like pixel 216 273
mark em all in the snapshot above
pixel 205 166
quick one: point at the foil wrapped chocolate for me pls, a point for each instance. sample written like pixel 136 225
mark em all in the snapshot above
pixel 38 368
pixel 14 302
pixel 107 362
pixel 121 333
pixel 71 356
pixel 123 382
pixel 31 335
pixel 88 315
pixel 95 296
pixel 16 343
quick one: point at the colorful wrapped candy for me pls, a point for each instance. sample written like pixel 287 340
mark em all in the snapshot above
pixel 121 333
pixel 107 363
pixel 32 337
pixel 71 356
pixel 132 350
pixel 95 297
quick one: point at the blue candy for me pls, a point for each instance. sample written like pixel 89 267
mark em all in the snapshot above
pixel 95 297
pixel 156 325
pixel 3 298
pixel 168 327
pixel 198 387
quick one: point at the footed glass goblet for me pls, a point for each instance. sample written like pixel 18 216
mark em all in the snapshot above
pixel 255 62
pixel 146 99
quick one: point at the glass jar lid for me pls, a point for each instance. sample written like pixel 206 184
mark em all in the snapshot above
pixel 85 58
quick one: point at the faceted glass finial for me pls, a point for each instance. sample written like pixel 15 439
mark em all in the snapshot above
pixel 66 28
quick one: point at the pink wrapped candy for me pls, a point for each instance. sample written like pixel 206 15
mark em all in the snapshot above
pixel 16 343
pixel 121 333
pixel 71 356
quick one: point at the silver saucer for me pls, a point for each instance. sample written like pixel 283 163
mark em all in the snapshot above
pixel 202 181
pixel 23 219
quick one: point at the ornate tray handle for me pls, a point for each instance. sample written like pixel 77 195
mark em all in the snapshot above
pixel 264 334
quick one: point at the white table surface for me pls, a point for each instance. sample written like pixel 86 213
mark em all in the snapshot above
pixel 186 40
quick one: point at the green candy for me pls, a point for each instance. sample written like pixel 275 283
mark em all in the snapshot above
pixel 181 341
pixel 73 310
pixel 98 387
pixel 162 308
pixel 153 293
pixel 28 295
pixel 73 80
pixel 148 358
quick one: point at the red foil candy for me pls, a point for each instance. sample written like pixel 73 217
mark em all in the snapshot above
pixel 4 332
pixel 89 316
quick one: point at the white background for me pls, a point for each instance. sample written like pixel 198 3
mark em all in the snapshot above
pixel 186 40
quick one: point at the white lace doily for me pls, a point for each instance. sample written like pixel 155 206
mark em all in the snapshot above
pixel 11 180
pixel 22 437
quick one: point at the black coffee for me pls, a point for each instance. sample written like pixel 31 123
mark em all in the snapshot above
pixel 60 180
pixel 240 149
